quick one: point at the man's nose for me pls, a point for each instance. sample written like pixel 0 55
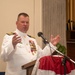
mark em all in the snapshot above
pixel 25 23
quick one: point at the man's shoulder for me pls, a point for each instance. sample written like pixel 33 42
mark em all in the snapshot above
pixel 7 36
pixel 31 36
pixel 10 33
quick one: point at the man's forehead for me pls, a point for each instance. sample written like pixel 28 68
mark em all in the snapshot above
pixel 23 17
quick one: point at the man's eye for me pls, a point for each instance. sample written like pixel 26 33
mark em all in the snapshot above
pixel 22 22
pixel 27 22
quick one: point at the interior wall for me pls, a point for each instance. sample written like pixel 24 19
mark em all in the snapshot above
pixel 54 19
pixel 9 9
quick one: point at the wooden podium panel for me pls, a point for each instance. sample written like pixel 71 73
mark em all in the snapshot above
pixel 29 67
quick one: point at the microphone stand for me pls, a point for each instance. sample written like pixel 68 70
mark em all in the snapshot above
pixel 64 56
pixel 64 64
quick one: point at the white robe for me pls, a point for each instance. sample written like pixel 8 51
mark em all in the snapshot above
pixel 22 54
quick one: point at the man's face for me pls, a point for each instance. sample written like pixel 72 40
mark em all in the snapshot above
pixel 23 23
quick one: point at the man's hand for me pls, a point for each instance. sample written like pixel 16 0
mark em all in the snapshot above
pixel 55 40
pixel 16 39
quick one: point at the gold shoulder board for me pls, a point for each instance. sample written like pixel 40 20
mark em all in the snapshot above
pixel 31 36
pixel 11 33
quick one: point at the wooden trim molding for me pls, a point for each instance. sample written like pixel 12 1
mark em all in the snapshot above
pixel 70 12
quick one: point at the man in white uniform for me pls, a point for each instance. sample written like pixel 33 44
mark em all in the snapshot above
pixel 18 48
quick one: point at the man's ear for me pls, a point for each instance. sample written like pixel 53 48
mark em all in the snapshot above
pixel 16 22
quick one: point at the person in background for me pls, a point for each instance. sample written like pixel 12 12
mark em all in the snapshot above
pixel 18 48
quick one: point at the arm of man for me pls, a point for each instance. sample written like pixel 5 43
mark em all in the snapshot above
pixel 8 46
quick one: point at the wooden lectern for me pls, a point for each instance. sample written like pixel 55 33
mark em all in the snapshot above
pixel 29 67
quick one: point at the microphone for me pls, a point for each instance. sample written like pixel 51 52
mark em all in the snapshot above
pixel 40 34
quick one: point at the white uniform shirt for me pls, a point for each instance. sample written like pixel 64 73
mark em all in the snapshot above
pixel 22 54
